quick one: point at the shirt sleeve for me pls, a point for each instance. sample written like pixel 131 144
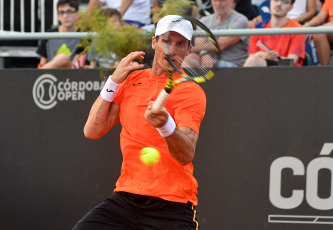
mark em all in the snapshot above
pixel 239 23
pixel 189 106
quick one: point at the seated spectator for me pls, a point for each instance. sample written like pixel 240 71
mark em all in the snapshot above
pixel 323 41
pixel 134 12
pixel 303 11
pixel 59 53
pixel 266 50
pixel 233 49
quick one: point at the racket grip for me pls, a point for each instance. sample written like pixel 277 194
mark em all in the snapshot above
pixel 161 100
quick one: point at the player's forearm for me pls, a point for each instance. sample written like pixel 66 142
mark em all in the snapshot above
pixel 181 145
pixel 102 117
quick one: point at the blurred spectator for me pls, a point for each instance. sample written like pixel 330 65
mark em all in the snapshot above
pixel 174 7
pixel 233 49
pixel 269 50
pixel 246 8
pixel 157 4
pixel 111 60
pixel 262 9
pixel 134 12
pixel 303 11
pixel 59 53
pixel 323 41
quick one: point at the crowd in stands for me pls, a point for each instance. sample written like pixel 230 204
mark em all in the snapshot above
pixel 237 51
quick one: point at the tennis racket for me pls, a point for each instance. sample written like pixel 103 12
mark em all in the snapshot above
pixel 201 65
pixel 263 46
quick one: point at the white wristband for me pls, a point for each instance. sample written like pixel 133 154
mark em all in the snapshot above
pixel 109 90
pixel 168 128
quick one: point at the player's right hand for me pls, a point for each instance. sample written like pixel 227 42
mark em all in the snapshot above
pixel 156 118
pixel 126 65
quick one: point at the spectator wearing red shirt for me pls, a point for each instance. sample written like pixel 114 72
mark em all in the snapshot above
pixel 277 47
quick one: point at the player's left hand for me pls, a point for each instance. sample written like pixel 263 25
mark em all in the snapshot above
pixel 126 65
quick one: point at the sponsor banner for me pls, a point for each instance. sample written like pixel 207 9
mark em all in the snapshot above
pixel 47 90
pixel 312 193
pixel 263 160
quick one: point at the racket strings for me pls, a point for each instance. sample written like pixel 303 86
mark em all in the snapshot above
pixel 193 71
pixel 199 65
pixel 202 59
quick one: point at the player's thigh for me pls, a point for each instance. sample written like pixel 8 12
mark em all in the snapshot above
pixel 113 214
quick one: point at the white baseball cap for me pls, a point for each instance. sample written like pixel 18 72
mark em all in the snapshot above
pixel 170 23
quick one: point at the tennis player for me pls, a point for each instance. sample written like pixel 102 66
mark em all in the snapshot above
pixel 160 196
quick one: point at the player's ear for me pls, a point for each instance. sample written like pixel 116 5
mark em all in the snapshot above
pixel 153 42
pixel 189 49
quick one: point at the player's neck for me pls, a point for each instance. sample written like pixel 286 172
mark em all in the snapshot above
pixel 277 22
pixel 156 71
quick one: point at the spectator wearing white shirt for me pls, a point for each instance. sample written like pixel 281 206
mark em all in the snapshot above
pixel 134 12
pixel 303 11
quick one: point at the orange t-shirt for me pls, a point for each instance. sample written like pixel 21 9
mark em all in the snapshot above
pixel 328 8
pixel 282 44
pixel 167 179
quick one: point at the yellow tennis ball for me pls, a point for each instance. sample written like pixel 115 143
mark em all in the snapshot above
pixel 149 156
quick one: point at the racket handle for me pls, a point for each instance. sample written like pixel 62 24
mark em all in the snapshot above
pixel 161 100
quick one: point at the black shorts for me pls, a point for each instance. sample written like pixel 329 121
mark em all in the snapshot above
pixel 126 211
